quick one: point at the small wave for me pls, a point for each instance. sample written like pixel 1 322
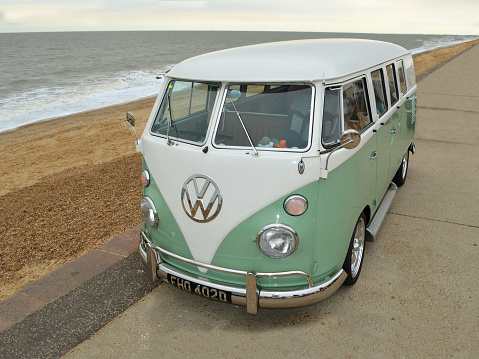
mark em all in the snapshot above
pixel 50 102
pixel 444 41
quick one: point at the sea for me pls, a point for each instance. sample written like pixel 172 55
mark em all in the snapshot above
pixel 49 75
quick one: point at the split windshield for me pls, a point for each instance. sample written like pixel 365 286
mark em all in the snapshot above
pixel 265 117
pixel 185 111
pixel 252 116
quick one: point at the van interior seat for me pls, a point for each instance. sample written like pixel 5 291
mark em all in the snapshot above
pixel 296 132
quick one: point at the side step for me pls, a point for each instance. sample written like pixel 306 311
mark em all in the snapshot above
pixel 375 224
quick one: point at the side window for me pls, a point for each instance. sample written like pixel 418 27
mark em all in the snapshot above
pixel 379 91
pixel 402 82
pixel 252 90
pixel 331 116
pixel 393 86
pixel 355 106
pixel 409 72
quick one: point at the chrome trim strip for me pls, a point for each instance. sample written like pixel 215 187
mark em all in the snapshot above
pixel 248 296
pixel 226 270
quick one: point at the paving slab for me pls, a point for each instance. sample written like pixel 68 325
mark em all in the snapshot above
pixel 65 279
pixel 66 322
pixel 456 77
pixel 460 125
pixel 448 100
pixel 442 183
pixel 19 306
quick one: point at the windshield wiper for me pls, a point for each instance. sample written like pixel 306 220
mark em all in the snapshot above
pixel 170 123
pixel 242 124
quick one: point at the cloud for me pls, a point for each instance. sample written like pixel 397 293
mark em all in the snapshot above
pixel 429 16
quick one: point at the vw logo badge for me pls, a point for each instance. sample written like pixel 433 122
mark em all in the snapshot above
pixel 201 192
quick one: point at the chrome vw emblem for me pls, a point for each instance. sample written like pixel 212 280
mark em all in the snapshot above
pixel 205 194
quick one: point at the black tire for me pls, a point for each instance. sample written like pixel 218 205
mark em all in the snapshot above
pixel 400 177
pixel 354 259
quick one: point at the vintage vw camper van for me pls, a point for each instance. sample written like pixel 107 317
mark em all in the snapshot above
pixel 267 167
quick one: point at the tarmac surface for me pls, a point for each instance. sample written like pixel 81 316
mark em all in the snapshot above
pixel 418 295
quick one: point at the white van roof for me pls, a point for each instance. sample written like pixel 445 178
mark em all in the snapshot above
pixel 288 61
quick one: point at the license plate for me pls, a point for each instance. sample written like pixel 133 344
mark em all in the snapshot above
pixel 201 290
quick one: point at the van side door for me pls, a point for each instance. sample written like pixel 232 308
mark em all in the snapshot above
pixel 404 110
pixel 385 131
pixel 347 107
pixel 394 130
pixel 357 115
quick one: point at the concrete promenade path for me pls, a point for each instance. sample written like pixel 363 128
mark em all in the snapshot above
pixel 418 295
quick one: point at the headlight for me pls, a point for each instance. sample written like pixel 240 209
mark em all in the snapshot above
pixel 145 178
pixel 148 211
pixel 277 240
pixel 295 205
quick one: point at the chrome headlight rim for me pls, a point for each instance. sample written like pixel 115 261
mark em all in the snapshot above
pixel 269 251
pixel 147 201
pixel 145 178
pixel 295 197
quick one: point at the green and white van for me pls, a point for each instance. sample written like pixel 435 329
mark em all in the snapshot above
pixel 267 167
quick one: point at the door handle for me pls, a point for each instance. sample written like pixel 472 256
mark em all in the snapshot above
pixel 393 130
pixel 373 155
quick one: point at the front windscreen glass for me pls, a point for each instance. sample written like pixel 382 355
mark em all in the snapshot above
pixel 185 111
pixel 276 117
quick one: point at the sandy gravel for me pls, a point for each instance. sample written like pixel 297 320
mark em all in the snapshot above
pixel 70 184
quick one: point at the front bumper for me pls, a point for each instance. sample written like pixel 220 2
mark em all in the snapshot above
pixel 249 296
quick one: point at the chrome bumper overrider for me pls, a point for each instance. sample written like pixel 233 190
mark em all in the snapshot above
pixel 249 296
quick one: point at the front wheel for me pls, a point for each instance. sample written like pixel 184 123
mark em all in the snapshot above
pixel 400 177
pixel 354 259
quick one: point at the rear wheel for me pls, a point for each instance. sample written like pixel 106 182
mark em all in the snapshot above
pixel 401 174
pixel 354 258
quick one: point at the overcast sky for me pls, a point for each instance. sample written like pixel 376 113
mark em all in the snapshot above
pixel 375 16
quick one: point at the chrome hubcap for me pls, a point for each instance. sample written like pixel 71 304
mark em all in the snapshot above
pixel 358 247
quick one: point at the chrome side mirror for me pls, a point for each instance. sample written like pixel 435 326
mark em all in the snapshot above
pixel 349 139
pixel 131 121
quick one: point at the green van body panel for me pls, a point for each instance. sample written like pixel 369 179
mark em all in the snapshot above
pixel 167 235
pixel 341 199
pixel 239 249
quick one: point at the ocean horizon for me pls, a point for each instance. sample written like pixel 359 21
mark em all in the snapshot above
pixel 49 75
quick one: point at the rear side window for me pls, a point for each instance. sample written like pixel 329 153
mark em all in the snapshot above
pixel 393 86
pixel 402 81
pixel 409 72
pixel 355 106
pixel 377 78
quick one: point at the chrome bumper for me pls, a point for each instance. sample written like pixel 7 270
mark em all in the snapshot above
pixel 249 296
